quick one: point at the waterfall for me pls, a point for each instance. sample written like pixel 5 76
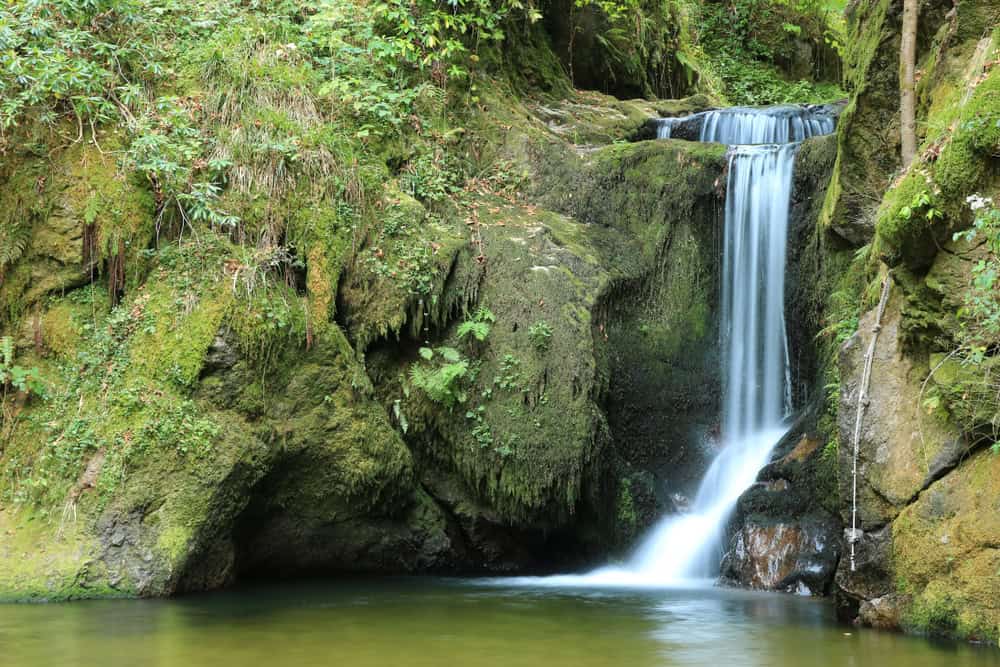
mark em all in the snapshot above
pixel 665 126
pixel 742 126
pixel 756 401
pixel 755 373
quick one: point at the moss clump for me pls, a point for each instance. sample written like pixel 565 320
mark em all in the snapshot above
pixel 967 160
pixel 187 309
pixel 44 561
pixel 905 232
pixel 80 211
pixel 957 160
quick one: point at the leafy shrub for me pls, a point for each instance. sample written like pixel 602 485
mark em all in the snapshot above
pixel 972 396
pixel 386 56
pixel 509 378
pixel 14 380
pixel 747 40
pixel 431 177
pixel 14 377
pixel 68 56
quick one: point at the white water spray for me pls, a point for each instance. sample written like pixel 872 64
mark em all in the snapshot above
pixel 756 385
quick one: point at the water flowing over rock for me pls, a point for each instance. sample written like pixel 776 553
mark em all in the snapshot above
pixel 755 356
pixel 746 125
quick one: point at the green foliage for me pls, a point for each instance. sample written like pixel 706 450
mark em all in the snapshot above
pixel 73 56
pixel 922 204
pixel 178 426
pixel 748 40
pixel 478 326
pixel 16 377
pixel 431 177
pixel 981 312
pixel 754 83
pixel 509 377
pixel 967 381
pixel 170 149
pixel 14 238
pixel 14 380
pixel 387 57
pixel 540 334
pixel 441 383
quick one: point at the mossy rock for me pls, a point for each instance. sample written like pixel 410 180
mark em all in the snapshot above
pixel 75 209
pixel 945 556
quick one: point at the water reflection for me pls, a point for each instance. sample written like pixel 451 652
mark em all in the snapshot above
pixel 454 622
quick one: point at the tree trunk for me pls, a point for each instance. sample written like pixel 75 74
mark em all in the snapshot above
pixel 907 84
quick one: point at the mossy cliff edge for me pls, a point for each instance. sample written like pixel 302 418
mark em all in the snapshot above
pixel 236 343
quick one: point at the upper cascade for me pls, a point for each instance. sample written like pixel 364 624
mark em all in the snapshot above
pixel 748 125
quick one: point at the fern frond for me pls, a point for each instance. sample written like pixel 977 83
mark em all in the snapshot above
pixel 13 241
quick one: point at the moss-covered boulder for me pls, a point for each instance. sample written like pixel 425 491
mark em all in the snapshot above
pixel 218 410
pixel 946 557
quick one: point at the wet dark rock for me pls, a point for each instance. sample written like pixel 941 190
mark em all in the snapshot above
pixel 872 576
pixel 785 534
pixel 798 557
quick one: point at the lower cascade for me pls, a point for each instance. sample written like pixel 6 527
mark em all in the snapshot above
pixel 756 403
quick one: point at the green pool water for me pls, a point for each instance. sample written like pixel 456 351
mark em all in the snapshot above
pixel 424 621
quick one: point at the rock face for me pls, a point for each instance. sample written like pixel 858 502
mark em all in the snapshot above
pixel 902 448
pixel 926 556
pixel 781 557
pixel 785 534
pixel 226 449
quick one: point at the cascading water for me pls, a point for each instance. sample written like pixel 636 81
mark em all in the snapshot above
pixel 756 389
pixel 756 385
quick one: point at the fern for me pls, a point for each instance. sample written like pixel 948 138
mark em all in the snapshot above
pixel 540 334
pixel 6 354
pixel 478 330
pixel 13 241
pixel 443 383
pixel 478 326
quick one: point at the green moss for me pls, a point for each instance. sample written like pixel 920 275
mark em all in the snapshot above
pixel 78 188
pixel 47 560
pixel 60 328
pixel 867 130
pixel 966 388
pixel 267 322
pixel 966 161
pixel 944 557
pixel 933 613
pixel 904 231
pixel 625 508
pixel 185 322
